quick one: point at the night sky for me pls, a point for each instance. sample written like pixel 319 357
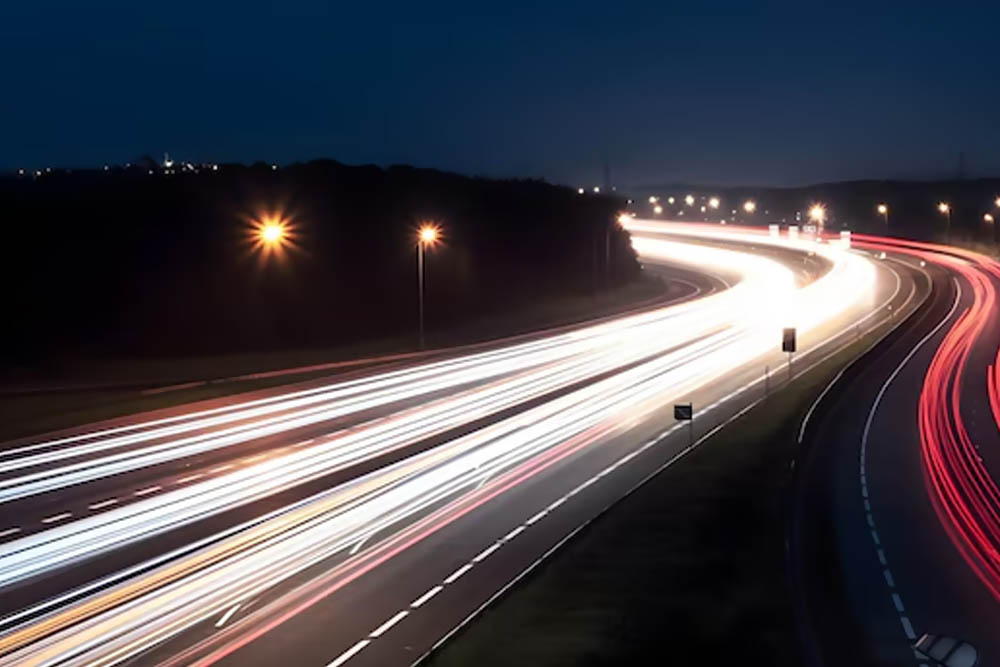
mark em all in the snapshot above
pixel 724 92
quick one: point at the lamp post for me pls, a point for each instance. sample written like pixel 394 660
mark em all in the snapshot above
pixel 883 210
pixel 427 236
pixel 945 209
pixel 817 213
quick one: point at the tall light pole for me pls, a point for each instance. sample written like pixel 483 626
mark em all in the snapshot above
pixel 817 213
pixel 883 210
pixel 427 236
pixel 945 209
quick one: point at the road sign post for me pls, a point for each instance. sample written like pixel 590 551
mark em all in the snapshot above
pixel 685 412
pixel 788 345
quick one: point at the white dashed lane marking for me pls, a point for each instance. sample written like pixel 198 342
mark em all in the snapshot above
pixel 57 517
pixel 148 490
pixel 380 630
pixel 350 653
pixel 104 503
pixel 426 596
pixel 9 531
pixel 453 577
pixel 189 478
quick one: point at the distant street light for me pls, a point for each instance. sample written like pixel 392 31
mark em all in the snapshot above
pixel 653 200
pixel 597 189
pixel 579 191
pixel 670 200
pixel 817 213
pixel 657 209
pixel 997 202
pixel 749 206
pixel 713 202
pixel 427 236
pixel 689 200
pixel 988 218
pixel 883 210
pixel 945 209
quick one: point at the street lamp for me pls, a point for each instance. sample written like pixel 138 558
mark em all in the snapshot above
pixel 987 218
pixel 271 233
pixel 657 209
pixel 945 209
pixel 427 236
pixel 713 202
pixel 883 210
pixel 997 202
pixel 689 200
pixel 670 200
pixel 817 213
pixel 749 206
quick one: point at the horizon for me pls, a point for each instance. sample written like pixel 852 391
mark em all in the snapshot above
pixel 774 96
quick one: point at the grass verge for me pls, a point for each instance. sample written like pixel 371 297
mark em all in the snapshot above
pixel 688 569
pixel 23 414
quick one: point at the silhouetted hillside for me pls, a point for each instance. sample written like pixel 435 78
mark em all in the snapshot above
pixel 127 262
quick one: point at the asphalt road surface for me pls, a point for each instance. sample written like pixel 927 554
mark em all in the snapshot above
pixel 364 517
pixel 878 556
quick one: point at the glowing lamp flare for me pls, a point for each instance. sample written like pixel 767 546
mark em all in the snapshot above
pixel 713 202
pixel 429 234
pixel 750 206
pixel 817 213
pixel 882 209
pixel 988 218
pixel 689 200
pixel 944 208
pixel 657 209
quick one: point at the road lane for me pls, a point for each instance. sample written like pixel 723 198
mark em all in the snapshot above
pixel 631 401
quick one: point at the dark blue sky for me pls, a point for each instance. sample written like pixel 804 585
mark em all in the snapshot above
pixel 723 92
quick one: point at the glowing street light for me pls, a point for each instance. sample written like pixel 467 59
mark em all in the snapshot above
pixel 670 200
pixel 883 210
pixel 427 236
pixel 997 202
pixel 657 209
pixel 817 213
pixel 713 202
pixel 945 209
pixel 579 191
pixel 270 234
pixel 749 206
pixel 988 218
pixel 653 200
pixel 689 200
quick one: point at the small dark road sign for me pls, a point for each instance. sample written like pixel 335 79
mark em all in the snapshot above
pixel 788 340
pixel 683 412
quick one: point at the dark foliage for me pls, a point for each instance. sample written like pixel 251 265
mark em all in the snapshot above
pixel 130 263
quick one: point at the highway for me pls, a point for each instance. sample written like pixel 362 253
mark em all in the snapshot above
pixel 362 518
pixel 895 528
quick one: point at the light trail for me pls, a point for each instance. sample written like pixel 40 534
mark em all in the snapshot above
pixel 964 495
pixel 615 376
